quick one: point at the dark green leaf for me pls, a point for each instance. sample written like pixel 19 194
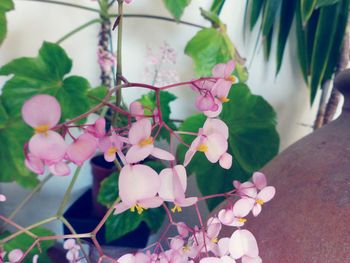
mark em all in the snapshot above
pixel 176 7
pixel 286 19
pixel 216 6
pixel 253 142
pixel 5 6
pixel 108 190
pixel 96 95
pixel 256 8
pixel 307 7
pixel 321 3
pixel 324 39
pixel 44 74
pixel 24 241
pixel 269 15
pixel 267 42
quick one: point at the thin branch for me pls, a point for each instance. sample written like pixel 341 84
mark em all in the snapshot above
pixel 65 4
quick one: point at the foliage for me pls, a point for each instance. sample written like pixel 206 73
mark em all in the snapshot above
pixel 176 7
pixel 5 6
pixel 253 141
pixel 319 38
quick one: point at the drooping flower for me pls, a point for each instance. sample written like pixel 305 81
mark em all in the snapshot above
pixel 243 243
pixel 98 129
pixel 60 169
pixel 235 216
pixel 73 253
pixel 264 196
pixel 42 112
pixel 173 187
pixel 224 83
pixel 82 149
pixel 138 188
pixel 142 143
pixel 137 110
pixel 111 145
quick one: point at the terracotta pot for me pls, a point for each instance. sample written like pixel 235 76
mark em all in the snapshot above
pixel 308 220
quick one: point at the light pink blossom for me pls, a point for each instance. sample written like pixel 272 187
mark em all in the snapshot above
pixel 243 243
pixel 82 149
pixel 98 129
pixel 111 145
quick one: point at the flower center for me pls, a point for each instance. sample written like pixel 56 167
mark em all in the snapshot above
pixel 138 208
pixel 186 249
pixel 112 151
pixel 214 240
pixel 176 208
pixel 259 201
pixel 41 128
pixel 231 78
pixel 224 99
pixel 242 220
pixel 202 148
pixel 147 141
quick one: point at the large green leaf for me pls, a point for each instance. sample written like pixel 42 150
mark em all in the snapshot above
pixel 307 7
pixel 13 135
pixel 5 6
pixel 286 19
pixel 45 74
pixel 269 15
pixel 321 3
pixel 176 7
pixel 24 241
pixel 324 38
pixel 216 6
pixel 253 142
pixel 257 6
pixel 119 225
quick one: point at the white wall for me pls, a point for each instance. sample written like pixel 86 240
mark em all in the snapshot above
pixel 34 22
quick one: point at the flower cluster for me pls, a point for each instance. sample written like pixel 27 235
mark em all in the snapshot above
pixel 73 251
pixel 140 186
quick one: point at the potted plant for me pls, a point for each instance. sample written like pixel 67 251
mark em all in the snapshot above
pixel 149 181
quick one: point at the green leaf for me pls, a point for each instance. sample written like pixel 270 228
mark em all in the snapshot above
pixel 286 19
pixel 216 6
pixel 149 102
pixel 253 142
pixel 269 15
pixel 24 241
pixel 13 135
pixel 307 7
pixel 5 6
pixel 108 190
pixel 256 8
pixel 267 41
pixel 45 74
pixel 97 94
pixel 176 7
pixel 208 48
pixel 212 17
pixel 322 48
pixel 321 3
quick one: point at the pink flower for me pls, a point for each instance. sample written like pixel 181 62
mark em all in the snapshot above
pixel 235 215
pixel 138 187
pixel 35 164
pixel 212 140
pixel 98 129
pixel 60 169
pixel 142 143
pixel 111 145
pixel 42 112
pixel 82 149
pixel 224 259
pixel 137 110
pixel 243 244
pixel 173 187
pixel 73 253
pixel 223 85
pixel 264 196
pixel 2 198
pixel 106 60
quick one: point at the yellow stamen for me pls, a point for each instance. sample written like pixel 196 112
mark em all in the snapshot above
pixel 224 99
pixel 42 128
pixel 259 201
pixel 186 249
pixel 202 148
pixel 112 151
pixel 138 208
pixel 231 78
pixel 176 208
pixel 242 220
pixel 215 240
pixel 147 141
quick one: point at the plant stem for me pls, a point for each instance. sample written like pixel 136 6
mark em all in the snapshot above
pixel 68 192
pixel 119 52
pixel 30 196
pixel 78 29
pixel 65 4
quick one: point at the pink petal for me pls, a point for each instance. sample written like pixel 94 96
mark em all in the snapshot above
pixel 34 164
pixel 15 255
pixel 137 110
pixel 205 103
pixel 173 183
pixel 127 258
pixel 109 157
pixel 138 153
pixel 98 129
pixel 69 244
pixel 223 246
pixel 82 149
pixel 225 161
pixel 213 229
pixel 227 259
pixel 215 113
pixel 210 260
pixel 242 207
pixel 60 169
pixel 215 126
pixel 222 88
pixel 248 189
pixel 151 202
pixel 182 229
pixel 188 156
pixel 35 258
pixel 162 154
pixel 230 66
pixel 177 243
pixel 189 201
pixel 2 198
pixel 139 131
pixel 217 146
pixel 247 259
pixel 137 182
pixel 41 110
pixel 219 70
pixel 266 194
pixel 104 143
pixel 256 209
pixel 226 216
pixel 243 243
pixel 236 184
pixel 259 179
pixel 50 146
pixel 120 208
